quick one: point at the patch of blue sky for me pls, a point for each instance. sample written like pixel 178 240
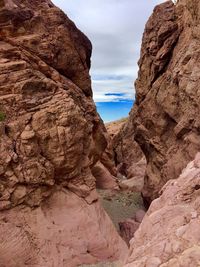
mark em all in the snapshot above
pixel 111 111
pixel 115 28
pixel 109 88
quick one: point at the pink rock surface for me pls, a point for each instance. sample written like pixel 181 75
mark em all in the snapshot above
pixel 139 215
pixel 135 179
pixel 50 138
pixel 128 228
pixel 63 231
pixel 169 235
pixel 104 179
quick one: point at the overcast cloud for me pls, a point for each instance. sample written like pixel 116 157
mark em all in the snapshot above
pixel 115 28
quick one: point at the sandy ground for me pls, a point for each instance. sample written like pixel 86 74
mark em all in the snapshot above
pixel 120 205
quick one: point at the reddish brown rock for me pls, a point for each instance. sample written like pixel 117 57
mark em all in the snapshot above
pixel 114 127
pixel 51 137
pixel 104 179
pixel 129 159
pixel 169 233
pixel 164 118
pixel 135 179
pixel 127 152
pixel 129 226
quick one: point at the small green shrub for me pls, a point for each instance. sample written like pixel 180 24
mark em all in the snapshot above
pixel 2 116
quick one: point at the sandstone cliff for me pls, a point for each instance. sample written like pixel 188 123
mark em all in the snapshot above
pixel 169 234
pixel 164 120
pixel 50 138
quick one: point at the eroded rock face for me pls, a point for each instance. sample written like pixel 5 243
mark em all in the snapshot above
pixel 51 137
pixel 129 226
pixel 164 118
pixel 129 158
pixel 104 179
pixel 169 233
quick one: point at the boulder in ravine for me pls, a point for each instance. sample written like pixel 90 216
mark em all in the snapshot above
pixel 135 179
pixel 104 179
pixel 129 226
pixel 126 149
pixel 50 138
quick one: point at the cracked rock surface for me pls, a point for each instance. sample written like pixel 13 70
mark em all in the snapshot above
pixel 50 138
pixel 169 233
pixel 164 119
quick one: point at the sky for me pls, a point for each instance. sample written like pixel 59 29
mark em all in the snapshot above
pixel 115 28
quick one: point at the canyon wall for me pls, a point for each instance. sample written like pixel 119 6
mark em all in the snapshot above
pixel 164 120
pixel 165 123
pixel 50 138
pixel 169 235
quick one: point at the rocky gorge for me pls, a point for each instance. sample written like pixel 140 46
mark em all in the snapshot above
pixel 55 151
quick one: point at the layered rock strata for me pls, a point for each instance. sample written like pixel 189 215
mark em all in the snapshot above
pixel 164 119
pixel 51 137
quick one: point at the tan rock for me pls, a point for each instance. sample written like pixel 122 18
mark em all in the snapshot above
pixel 134 184
pixel 114 127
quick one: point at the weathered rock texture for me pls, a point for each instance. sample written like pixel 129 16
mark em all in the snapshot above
pixel 51 137
pixel 129 226
pixel 104 179
pixel 164 118
pixel 127 151
pixel 114 127
pixel 169 235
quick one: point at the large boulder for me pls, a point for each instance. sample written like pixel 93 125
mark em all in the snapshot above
pixel 104 179
pixel 51 137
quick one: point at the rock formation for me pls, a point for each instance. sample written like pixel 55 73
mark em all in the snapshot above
pixel 127 151
pixel 114 127
pixel 169 235
pixel 50 138
pixel 165 124
pixel 164 118
pixel 129 226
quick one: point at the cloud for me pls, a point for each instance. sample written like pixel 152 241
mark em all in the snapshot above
pixel 111 88
pixel 115 28
pixel 115 94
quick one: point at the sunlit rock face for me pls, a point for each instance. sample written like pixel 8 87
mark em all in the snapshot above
pixel 169 233
pixel 51 137
pixel 164 120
